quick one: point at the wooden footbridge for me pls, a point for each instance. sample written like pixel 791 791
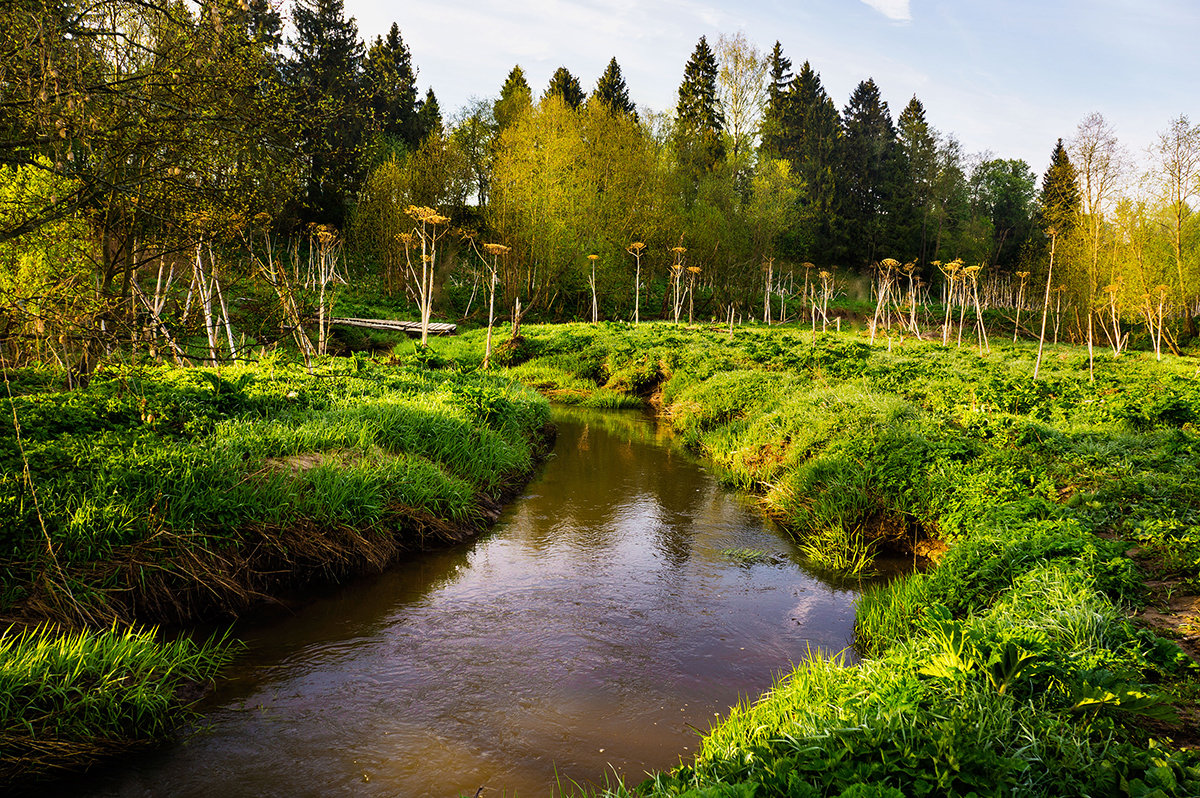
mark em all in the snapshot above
pixel 410 327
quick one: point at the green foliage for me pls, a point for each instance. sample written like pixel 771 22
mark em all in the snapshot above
pixel 324 83
pixel 566 87
pixel 1009 667
pixel 391 82
pixel 612 91
pixel 219 455
pixel 698 118
pixel 68 697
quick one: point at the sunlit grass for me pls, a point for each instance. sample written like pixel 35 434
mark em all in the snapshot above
pixel 68 697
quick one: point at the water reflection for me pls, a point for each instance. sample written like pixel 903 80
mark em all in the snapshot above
pixel 588 634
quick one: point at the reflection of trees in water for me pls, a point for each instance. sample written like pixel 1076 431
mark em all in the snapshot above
pixel 627 425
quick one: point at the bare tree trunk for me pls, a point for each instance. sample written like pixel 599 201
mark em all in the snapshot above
pixel 221 299
pixel 487 348
pixel 767 292
pixel 205 292
pixel 1045 307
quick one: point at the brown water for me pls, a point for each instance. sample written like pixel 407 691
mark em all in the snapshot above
pixel 590 634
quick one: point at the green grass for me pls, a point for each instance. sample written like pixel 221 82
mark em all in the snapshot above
pixel 164 494
pixel 1010 667
pixel 67 698
pixel 190 452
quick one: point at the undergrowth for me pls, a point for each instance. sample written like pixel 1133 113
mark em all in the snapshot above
pixel 67 698
pixel 165 494
pixel 1009 667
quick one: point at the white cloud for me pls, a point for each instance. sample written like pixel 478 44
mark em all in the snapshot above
pixel 892 9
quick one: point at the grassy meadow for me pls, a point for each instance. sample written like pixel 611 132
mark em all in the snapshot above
pixel 164 495
pixel 1048 514
pixel 1011 665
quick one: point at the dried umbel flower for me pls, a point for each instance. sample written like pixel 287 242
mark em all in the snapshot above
pixel 679 250
pixel 694 269
pixel 636 247
pixel 496 249
pixel 593 258
pixel 426 215
pixel 890 263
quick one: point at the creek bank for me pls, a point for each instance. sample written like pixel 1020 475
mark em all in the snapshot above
pixel 1013 665
pixel 162 501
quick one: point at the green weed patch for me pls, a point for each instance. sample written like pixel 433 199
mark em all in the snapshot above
pixel 1007 668
pixel 163 494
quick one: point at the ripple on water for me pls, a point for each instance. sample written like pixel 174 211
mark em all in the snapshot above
pixel 592 631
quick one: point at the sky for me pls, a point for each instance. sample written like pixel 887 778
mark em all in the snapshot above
pixel 1005 78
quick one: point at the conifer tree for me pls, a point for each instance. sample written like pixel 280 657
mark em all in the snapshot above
pixel 867 173
pixel 429 116
pixel 808 138
pixel 325 80
pixel 565 85
pixel 779 82
pixel 698 119
pixel 1058 206
pixel 516 98
pixel 264 24
pixel 392 83
pixel 913 202
pixel 612 91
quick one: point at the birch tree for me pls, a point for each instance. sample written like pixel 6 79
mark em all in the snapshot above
pixel 1176 176
pixel 1101 162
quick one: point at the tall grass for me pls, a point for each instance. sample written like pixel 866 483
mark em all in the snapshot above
pixel 167 494
pixel 67 698
pixel 150 451
pixel 1007 669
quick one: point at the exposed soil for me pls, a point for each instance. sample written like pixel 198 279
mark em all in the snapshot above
pixel 1173 612
pixel 177 578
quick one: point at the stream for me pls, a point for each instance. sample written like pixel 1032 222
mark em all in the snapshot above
pixel 590 634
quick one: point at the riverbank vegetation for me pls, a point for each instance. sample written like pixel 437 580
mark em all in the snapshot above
pixel 294 172
pixel 159 494
pixel 1011 666
pixel 71 698
pixel 183 184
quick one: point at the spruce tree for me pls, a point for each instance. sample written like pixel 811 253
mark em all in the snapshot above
pixel 809 137
pixel 867 174
pixel 1059 204
pixel 264 24
pixel 324 76
pixel 515 99
pixel 913 201
pixel 565 85
pixel 781 77
pixel 392 84
pixel 429 116
pixel 698 119
pixel 611 90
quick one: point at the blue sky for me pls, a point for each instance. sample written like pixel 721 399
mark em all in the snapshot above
pixel 1004 77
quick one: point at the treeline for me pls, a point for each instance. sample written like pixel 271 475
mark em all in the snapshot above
pixel 169 165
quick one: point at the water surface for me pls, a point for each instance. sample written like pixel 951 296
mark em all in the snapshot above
pixel 590 634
